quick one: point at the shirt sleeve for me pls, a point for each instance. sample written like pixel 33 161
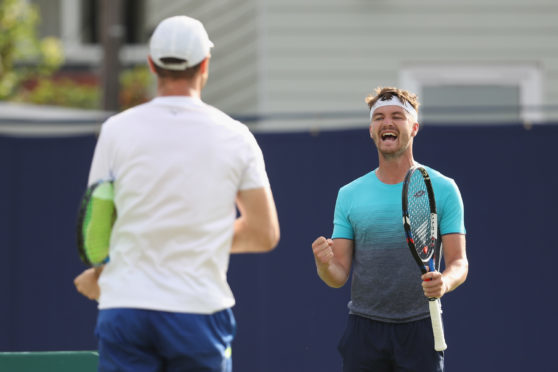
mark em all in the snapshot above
pixel 100 165
pixel 254 175
pixel 342 227
pixel 451 213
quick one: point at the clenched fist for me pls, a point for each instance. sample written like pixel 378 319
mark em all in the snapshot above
pixel 323 250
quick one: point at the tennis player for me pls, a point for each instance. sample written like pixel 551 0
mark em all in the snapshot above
pixel 388 327
pixel 181 168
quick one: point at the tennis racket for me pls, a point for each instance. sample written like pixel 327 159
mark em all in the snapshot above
pixel 420 221
pixel 96 217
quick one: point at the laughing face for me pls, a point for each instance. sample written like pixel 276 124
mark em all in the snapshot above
pixel 392 130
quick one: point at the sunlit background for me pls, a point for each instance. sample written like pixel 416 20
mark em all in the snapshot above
pixel 294 65
pixel 296 72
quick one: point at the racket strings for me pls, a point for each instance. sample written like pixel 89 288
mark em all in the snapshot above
pixel 99 215
pixel 98 230
pixel 419 216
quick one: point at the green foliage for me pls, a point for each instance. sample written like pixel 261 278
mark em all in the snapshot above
pixel 28 64
pixel 23 55
pixel 134 89
pixel 61 92
pixel 134 86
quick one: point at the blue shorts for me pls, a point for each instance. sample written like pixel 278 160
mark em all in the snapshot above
pixel 144 340
pixel 369 345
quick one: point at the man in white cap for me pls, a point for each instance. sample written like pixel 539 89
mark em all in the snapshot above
pixel 181 168
pixel 389 327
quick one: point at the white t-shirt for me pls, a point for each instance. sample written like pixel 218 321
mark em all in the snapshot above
pixel 177 165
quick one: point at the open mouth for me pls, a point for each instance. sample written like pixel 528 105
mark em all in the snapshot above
pixel 389 136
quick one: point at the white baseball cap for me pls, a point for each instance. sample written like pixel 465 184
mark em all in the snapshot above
pixel 179 37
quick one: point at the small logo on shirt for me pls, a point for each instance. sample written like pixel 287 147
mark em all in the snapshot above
pixel 419 193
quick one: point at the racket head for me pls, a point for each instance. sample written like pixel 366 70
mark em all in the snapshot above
pixel 420 219
pixel 96 217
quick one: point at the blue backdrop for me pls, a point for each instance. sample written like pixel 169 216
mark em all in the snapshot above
pixel 502 318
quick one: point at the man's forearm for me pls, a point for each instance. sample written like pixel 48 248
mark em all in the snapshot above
pixel 256 238
pixel 455 274
pixel 334 275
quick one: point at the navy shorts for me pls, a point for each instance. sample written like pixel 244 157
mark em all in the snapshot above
pixel 369 345
pixel 144 340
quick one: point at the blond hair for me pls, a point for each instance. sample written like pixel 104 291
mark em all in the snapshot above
pixel 386 93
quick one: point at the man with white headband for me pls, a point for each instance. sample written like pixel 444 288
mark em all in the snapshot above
pixel 389 327
pixel 180 168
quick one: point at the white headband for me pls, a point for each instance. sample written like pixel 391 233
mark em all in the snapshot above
pixel 394 101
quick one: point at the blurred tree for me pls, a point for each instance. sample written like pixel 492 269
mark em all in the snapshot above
pixel 29 66
pixel 23 56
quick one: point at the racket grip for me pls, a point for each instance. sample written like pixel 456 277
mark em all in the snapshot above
pixel 431 266
pixel 437 326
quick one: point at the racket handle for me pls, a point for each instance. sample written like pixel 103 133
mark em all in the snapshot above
pixel 431 265
pixel 437 326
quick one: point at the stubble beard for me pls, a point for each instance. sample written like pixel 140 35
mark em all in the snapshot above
pixel 390 155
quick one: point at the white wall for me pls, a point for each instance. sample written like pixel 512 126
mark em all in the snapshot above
pixel 321 56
